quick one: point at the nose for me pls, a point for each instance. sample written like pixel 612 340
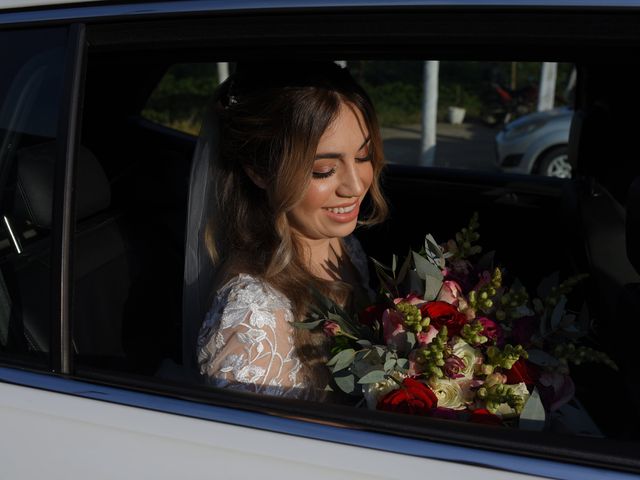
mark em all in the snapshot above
pixel 351 184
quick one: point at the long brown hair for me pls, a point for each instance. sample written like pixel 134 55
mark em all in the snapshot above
pixel 271 120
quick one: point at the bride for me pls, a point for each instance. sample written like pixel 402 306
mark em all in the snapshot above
pixel 297 170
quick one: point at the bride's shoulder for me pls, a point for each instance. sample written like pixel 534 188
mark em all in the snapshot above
pixel 245 290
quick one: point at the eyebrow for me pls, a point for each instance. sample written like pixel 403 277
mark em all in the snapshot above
pixel 321 156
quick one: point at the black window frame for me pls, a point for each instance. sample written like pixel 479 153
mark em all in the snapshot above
pixel 60 345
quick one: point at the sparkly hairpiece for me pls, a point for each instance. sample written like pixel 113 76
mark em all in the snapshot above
pixel 230 98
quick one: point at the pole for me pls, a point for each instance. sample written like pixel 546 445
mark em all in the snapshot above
pixel 429 113
pixel 547 91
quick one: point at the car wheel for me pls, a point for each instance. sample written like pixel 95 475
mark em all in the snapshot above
pixel 555 163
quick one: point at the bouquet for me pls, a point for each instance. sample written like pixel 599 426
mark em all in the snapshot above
pixel 451 338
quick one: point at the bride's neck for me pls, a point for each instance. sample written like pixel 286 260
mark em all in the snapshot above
pixel 322 256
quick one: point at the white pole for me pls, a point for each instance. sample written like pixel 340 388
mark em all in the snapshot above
pixel 429 113
pixel 547 91
pixel 223 71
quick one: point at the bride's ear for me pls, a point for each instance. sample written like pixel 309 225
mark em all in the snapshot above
pixel 255 178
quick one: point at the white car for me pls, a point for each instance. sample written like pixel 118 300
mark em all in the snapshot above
pixel 537 143
pixel 95 377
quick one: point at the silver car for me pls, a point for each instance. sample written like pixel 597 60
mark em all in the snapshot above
pixel 536 143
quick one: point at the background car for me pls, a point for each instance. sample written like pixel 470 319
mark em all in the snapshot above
pixel 537 143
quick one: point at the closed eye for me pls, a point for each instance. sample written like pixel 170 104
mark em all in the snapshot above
pixel 366 158
pixel 326 174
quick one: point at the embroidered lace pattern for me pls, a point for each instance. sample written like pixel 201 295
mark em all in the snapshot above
pixel 246 340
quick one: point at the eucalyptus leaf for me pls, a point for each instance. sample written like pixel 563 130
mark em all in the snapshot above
pixel 533 416
pixel 403 363
pixel 432 287
pixel 415 283
pixel 558 312
pixel 342 357
pixel 434 251
pixel 380 351
pixel 542 358
pixel 547 283
pixel 346 382
pixel 364 343
pixel 380 265
pixel 389 364
pixel 425 268
pixel 308 325
pixel 335 317
pixel 373 377
pixel 404 269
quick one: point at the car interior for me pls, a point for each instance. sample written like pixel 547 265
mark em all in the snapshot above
pixel 132 182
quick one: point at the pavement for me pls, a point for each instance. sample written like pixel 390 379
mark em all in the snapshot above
pixel 467 145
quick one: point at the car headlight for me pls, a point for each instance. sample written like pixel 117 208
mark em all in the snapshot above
pixel 524 129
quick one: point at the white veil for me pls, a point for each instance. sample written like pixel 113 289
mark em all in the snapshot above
pixel 198 266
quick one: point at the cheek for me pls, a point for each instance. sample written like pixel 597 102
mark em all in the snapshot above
pixel 317 195
pixel 366 174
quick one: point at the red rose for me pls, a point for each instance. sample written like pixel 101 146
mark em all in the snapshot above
pixel 485 417
pixel 442 313
pixel 413 397
pixel 371 314
pixel 523 371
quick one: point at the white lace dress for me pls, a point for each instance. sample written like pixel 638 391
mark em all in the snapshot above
pixel 246 339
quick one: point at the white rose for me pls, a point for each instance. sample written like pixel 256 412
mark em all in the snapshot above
pixel 469 356
pixel 373 392
pixel 449 393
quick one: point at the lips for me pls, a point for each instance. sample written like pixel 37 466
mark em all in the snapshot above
pixel 347 209
pixel 343 213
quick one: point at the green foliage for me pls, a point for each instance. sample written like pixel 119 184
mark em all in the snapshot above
pixel 179 99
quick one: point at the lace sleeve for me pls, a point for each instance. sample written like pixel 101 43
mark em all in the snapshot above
pixel 246 341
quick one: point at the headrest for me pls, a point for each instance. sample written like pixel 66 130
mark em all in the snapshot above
pixel 633 224
pixel 34 184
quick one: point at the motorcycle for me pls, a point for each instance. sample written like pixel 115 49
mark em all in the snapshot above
pixel 509 104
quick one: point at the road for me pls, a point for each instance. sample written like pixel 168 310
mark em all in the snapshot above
pixel 468 145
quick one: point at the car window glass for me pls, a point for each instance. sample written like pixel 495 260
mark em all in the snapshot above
pixel 30 93
pixel 178 100
pixel 130 253
pixel 485 116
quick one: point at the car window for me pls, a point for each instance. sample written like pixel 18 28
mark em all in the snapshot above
pixel 179 99
pixel 30 93
pixel 129 260
pixel 487 116
pixel 477 116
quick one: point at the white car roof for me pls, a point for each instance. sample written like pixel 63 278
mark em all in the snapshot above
pixel 6 4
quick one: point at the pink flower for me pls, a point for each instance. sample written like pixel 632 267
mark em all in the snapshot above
pixel 331 329
pixel 392 327
pixel 491 330
pixel 424 338
pixel 559 389
pixel 450 292
pixel 452 366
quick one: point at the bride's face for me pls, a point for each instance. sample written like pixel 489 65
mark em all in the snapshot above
pixel 342 174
